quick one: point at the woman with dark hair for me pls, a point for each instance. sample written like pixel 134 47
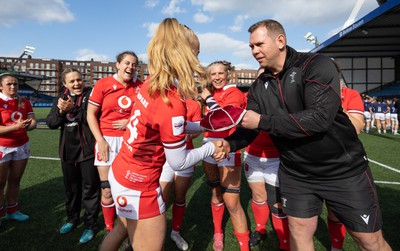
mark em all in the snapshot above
pixel 112 97
pixel 16 118
pixel 81 179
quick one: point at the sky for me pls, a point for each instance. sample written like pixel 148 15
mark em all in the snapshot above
pixel 100 29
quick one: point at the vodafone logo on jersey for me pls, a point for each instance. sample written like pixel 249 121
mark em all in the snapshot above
pixel 124 102
pixel 122 201
pixel 15 116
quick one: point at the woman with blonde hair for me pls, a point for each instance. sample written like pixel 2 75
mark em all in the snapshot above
pixel 224 177
pixel 156 133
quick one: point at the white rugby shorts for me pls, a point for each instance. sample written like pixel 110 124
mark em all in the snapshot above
pixel 135 204
pixel 259 169
pixel 115 145
pixel 14 153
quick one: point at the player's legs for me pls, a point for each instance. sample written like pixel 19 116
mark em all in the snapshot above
pixel 147 234
pixel 166 190
pixel 387 121
pixel 355 203
pixel 73 194
pixel 259 206
pixel 260 209
pixel 230 183
pixel 166 181
pixel 4 167
pixel 278 218
pixel 337 231
pixel 230 179
pixel 301 233
pixel 395 123
pixel 367 119
pixel 114 239
pixel 370 241
pixel 378 125
pixel 217 204
pixel 181 186
pixel 107 202
pixel 16 170
pixel 90 194
pixel 302 205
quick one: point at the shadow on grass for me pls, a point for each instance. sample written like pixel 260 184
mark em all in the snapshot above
pixel 44 203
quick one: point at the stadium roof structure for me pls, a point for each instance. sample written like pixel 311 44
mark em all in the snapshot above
pixel 377 34
pixel 25 76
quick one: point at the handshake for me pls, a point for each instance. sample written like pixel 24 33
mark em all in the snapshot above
pixel 222 149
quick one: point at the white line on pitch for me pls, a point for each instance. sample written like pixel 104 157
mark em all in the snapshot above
pixel 385 166
pixel 48 158
pixel 387 182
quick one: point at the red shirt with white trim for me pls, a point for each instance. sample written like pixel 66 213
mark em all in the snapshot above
pixel 153 126
pixel 10 113
pixel 351 101
pixel 229 95
pixel 115 101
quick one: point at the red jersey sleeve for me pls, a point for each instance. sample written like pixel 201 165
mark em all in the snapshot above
pixel 351 101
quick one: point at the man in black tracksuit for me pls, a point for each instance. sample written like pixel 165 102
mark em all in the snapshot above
pixel 297 102
pixel 81 178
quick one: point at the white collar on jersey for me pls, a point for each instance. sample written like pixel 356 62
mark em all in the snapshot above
pixel 5 98
pixel 133 80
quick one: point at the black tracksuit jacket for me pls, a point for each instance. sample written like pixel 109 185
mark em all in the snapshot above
pixel 55 120
pixel 301 111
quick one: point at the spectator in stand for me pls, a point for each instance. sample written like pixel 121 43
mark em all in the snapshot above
pixel 156 134
pixel 297 101
pixel 224 177
pixel 16 118
pixel 112 97
pixel 261 163
pixel 81 179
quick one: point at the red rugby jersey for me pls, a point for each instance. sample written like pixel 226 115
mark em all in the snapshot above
pixel 10 113
pixel 115 101
pixel 152 126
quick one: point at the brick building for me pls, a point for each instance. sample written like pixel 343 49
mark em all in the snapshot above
pixel 91 70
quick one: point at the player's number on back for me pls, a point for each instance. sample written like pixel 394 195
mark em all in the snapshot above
pixel 133 121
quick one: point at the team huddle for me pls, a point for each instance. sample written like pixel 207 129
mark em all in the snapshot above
pixel 127 146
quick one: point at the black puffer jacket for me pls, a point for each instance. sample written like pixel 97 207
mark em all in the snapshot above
pixel 301 111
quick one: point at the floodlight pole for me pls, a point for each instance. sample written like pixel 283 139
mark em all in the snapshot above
pixel 27 51
pixel 312 39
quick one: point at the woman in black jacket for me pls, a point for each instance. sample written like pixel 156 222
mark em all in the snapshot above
pixel 81 179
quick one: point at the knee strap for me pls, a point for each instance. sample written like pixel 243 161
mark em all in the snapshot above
pixel 230 189
pixel 105 184
pixel 213 183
